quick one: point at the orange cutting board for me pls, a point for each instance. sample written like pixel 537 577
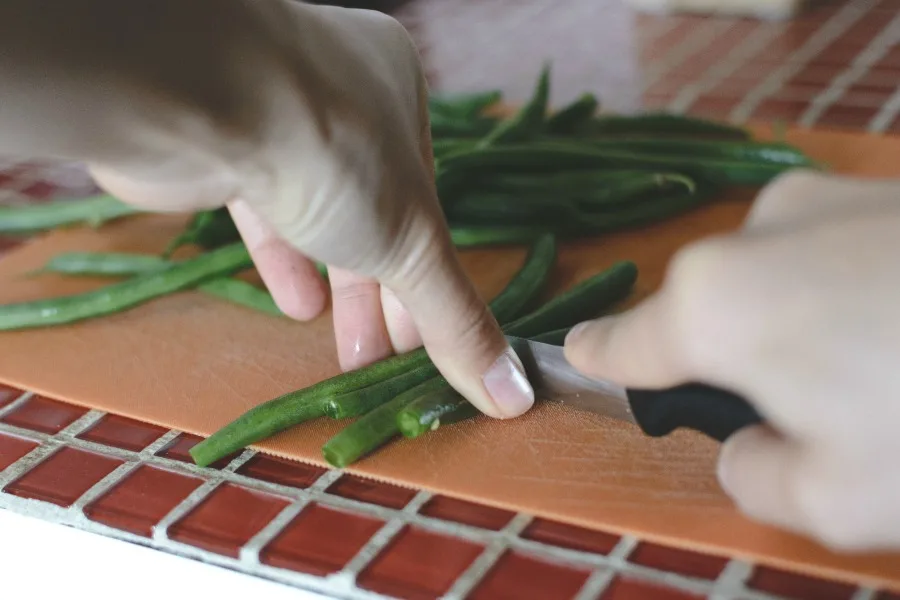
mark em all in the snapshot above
pixel 195 363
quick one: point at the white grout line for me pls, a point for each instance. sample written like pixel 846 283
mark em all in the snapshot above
pixel 863 594
pixel 692 43
pixel 830 31
pixel 250 552
pixel 888 113
pixel 876 49
pixel 488 558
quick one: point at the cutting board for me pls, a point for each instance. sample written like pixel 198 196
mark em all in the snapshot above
pixel 194 363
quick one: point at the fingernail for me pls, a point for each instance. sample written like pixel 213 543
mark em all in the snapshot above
pixel 508 386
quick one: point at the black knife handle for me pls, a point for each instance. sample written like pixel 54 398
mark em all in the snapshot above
pixel 713 411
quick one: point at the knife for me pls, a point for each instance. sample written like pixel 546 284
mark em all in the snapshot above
pixel 713 411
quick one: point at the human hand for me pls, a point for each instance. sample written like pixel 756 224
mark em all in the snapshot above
pixel 797 312
pixel 310 124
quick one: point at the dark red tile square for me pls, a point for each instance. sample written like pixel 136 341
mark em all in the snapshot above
pixel 712 107
pixel 124 433
pixel 622 588
pixel 468 513
pixel 418 565
pixel 851 117
pixel 818 75
pixel 13 448
pixel 895 126
pixel 780 109
pixel 373 492
pixel 142 499
pixel 178 449
pixel 44 415
pixel 520 577
pixel 281 471
pixel 570 536
pixel 797 587
pixel 891 60
pixel 882 80
pixel 887 596
pixel 320 540
pixel 227 519
pixel 672 560
pixel 8 394
pixel 63 477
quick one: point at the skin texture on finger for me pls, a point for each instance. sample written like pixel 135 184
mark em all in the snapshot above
pixel 632 348
pixel 359 325
pixel 400 326
pixel 291 278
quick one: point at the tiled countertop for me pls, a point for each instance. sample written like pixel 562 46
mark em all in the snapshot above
pixel 837 66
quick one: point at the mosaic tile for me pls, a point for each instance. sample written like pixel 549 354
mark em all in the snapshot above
pixel 281 471
pixel 121 432
pixel 797 587
pixel 673 560
pixel 44 415
pixel 570 536
pixel 468 513
pixel 63 477
pixel 373 492
pixel 521 577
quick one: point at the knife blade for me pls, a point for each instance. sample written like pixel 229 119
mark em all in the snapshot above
pixel 713 411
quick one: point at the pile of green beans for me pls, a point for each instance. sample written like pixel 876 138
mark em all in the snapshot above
pixel 537 177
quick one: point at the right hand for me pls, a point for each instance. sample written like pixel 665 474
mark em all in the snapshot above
pixel 798 312
pixel 310 123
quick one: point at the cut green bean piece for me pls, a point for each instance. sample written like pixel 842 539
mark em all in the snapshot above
pixel 373 429
pixel 528 121
pixel 573 117
pixel 241 293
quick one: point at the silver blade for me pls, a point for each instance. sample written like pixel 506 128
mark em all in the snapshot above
pixel 554 379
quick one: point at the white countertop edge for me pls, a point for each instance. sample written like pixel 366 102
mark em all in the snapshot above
pixel 48 560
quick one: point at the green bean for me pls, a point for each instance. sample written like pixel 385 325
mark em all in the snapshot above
pixel 208 229
pixel 536 157
pixel 519 293
pixel 548 324
pixel 104 264
pixel 92 211
pixel 478 237
pixel 312 402
pixel 571 118
pixel 528 120
pixel 662 124
pixel 751 151
pixel 463 106
pixel 241 293
pixel 127 294
pixel 372 429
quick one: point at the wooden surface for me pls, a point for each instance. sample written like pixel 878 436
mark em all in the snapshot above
pixel 193 363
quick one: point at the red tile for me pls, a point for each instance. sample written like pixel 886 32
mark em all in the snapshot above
pixel 733 88
pixel 877 80
pixel 124 433
pixel 887 596
pixel 373 492
pixel 142 499
pixel 8 394
pixel 673 560
pixel 780 109
pixel 320 540
pixel 874 98
pixel 418 565
pixel 820 75
pixel 468 513
pixel 635 589
pixel 799 91
pixel 854 117
pixel 64 476
pixel 797 587
pixel 895 126
pixel 713 107
pixel 44 415
pixel 13 448
pixel 178 449
pixel 891 60
pixel 40 190
pixel 281 471
pixel 838 53
pixel 570 536
pixel 520 577
pixel 227 519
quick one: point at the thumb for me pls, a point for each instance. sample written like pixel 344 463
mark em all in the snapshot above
pixel 456 326
pixel 632 348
